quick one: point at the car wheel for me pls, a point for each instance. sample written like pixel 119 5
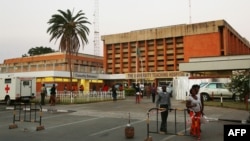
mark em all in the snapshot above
pixel 205 97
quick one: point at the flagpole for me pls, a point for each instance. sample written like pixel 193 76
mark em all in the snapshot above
pixel 142 80
pixel 136 63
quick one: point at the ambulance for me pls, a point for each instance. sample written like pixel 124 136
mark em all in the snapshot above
pixel 21 89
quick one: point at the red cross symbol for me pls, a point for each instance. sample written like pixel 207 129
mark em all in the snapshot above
pixel 7 88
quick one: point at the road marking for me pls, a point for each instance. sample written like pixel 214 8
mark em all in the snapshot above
pixel 71 123
pixel 43 110
pixel 171 136
pixel 117 127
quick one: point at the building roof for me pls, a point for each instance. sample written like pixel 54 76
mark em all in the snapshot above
pixel 236 62
pixel 172 31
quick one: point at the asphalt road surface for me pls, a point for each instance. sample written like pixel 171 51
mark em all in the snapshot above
pixel 106 121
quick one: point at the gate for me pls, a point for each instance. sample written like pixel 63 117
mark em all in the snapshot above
pixel 175 132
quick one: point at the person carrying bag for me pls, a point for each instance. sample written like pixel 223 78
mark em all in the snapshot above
pixel 193 103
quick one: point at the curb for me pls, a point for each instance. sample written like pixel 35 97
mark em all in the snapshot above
pixel 45 110
pixel 230 120
pixel 234 120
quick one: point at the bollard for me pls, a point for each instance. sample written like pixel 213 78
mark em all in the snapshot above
pixel 129 130
pixel 14 125
pixel 149 138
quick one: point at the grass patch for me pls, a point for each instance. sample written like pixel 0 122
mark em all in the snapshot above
pixel 227 104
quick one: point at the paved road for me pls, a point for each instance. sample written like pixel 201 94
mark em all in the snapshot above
pixel 106 121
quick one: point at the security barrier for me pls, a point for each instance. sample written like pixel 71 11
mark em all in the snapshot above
pixel 27 112
pixel 158 110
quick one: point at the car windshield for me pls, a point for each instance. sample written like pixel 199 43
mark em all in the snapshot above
pixel 203 84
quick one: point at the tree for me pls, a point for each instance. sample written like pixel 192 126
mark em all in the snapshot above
pixel 240 83
pixel 40 50
pixel 71 30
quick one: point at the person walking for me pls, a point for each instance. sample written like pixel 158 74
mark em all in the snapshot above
pixel 94 90
pixel 43 94
pixel 193 103
pixel 65 89
pixel 142 90
pixel 105 89
pixel 153 93
pixel 53 95
pixel 137 93
pixel 81 89
pixel 148 90
pixel 197 89
pixel 164 103
pixel 114 93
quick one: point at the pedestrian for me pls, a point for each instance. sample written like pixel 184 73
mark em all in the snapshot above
pixel 114 93
pixel 65 89
pixel 53 95
pixel 197 89
pixel 43 94
pixel 94 90
pixel 81 89
pixel 148 90
pixel 164 103
pixel 105 89
pixel 121 87
pixel 153 93
pixel 142 89
pixel 137 93
pixel 193 103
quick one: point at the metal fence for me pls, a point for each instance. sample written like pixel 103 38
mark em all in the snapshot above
pixel 83 97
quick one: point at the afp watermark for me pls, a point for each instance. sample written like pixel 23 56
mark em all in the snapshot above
pixel 237 132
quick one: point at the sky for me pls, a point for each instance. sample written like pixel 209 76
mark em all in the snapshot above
pixel 24 23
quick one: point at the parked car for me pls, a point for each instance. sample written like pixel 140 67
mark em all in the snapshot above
pixel 169 88
pixel 211 90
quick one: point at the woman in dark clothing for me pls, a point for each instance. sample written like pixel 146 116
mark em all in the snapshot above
pixel 43 94
pixel 153 93
pixel 53 95
pixel 114 94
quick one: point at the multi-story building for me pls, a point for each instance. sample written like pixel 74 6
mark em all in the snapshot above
pixel 54 68
pixel 150 56
pixel 155 54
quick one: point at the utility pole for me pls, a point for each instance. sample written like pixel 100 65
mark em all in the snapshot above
pixel 96 29
pixel 190 18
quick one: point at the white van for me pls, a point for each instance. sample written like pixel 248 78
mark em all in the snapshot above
pixel 17 89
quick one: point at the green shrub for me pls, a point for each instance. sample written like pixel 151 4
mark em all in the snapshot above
pixel 129 91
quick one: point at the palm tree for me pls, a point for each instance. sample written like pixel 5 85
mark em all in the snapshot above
pixel 72 31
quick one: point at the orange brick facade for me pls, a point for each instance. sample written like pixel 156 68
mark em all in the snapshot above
pixel 163 48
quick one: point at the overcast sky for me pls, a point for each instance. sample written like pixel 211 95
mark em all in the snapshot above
pixel 24 22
